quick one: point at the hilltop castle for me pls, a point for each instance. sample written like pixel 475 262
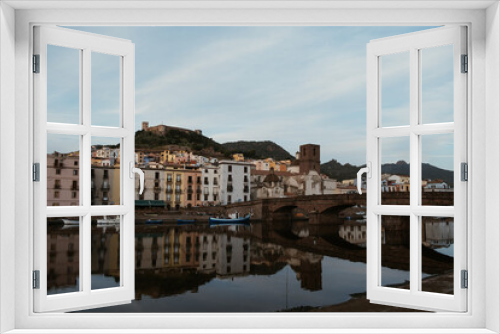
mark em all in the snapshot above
pixel 164 129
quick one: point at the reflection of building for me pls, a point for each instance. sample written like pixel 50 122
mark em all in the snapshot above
pixel 63 185
pixel 105 248
pixel 437 232
pixel 234 182
pixel 63 260
pixel 353 233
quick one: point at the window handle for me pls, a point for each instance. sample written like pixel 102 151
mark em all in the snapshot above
pixel 368 171
pixel 134 170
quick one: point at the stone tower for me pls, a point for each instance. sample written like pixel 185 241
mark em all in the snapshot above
pixel 309 158
pixel 145 126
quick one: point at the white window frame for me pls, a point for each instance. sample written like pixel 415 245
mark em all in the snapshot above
pixel 484 103
pixel 86 44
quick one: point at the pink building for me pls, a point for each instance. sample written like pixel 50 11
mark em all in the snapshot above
pixel 63 188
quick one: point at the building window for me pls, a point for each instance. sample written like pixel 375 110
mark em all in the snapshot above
pixel 157 175
pixel 190 197
pixel 73 194
pixel 197 197
pixel 157 196
pixel 229 168
pixel 75 163
pixel 245 169
pixel 57 184
pixel 75 171
pixel 229 199
pixel 205 197
pixel 245 198
pixel 205 181
pixel 56 194
pixel 58 171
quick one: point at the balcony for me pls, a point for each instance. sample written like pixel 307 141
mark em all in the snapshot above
pixel 169 179
pixel 178 191
pixel 170 190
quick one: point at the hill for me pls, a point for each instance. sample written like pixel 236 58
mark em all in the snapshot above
pixel 190 140
pixel 259 149
pixel 339 171
pixel 202 145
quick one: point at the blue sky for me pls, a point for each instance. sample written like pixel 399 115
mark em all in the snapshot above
pixel 291 85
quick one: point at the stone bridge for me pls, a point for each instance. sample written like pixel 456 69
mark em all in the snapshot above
pixel 322 209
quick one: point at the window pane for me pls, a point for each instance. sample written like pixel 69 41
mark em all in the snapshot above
pixel 63 260
pixel 105 173
pixel 63 85
pixel 105 239
pixel 437 84
pixel 437 254
pixel 395 89
pixel 105 89
pixel 437 170
pixel 395 232
pixel 395 176
pixel 63 170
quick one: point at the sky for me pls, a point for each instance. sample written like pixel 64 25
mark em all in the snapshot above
pixel 291 85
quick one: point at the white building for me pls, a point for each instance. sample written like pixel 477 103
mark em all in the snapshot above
pixel 234 181
pixel 210 178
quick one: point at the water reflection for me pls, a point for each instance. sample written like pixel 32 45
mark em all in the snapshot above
pixel 243 269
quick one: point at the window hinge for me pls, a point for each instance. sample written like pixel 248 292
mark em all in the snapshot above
pixel 36 63
pixel 465 64
pixel 464 171
pixel 465 279
pixel 36 279
pixel 36 172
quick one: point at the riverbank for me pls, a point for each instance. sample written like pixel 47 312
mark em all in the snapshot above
pixel 358 302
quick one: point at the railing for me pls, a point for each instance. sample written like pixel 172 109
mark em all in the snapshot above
pixel 170 190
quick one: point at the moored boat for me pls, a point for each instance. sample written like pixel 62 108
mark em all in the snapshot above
pixel 186 221
pixel 71 222
pixel 229 221
pixel 154 221
pixel 108 221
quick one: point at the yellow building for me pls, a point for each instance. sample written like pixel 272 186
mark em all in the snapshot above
pixel 239 157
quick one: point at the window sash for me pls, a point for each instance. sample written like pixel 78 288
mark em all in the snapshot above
pixel 413 43
pixel 86 44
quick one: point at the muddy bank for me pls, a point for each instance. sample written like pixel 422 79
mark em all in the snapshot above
pixel 358 302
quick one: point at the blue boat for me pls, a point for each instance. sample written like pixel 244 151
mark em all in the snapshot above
pixel 154 221
pixel 229 221
pixel 186 221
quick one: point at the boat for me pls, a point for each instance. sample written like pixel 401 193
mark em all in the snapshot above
pixel 229 221
pixel 108 221
pixel 154 221
pixel 71 222
pixel 186 221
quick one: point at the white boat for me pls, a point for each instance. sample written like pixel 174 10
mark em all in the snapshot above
pixel 71 222
pixel 108 221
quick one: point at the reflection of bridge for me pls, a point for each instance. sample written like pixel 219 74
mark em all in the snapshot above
pixel 322 208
